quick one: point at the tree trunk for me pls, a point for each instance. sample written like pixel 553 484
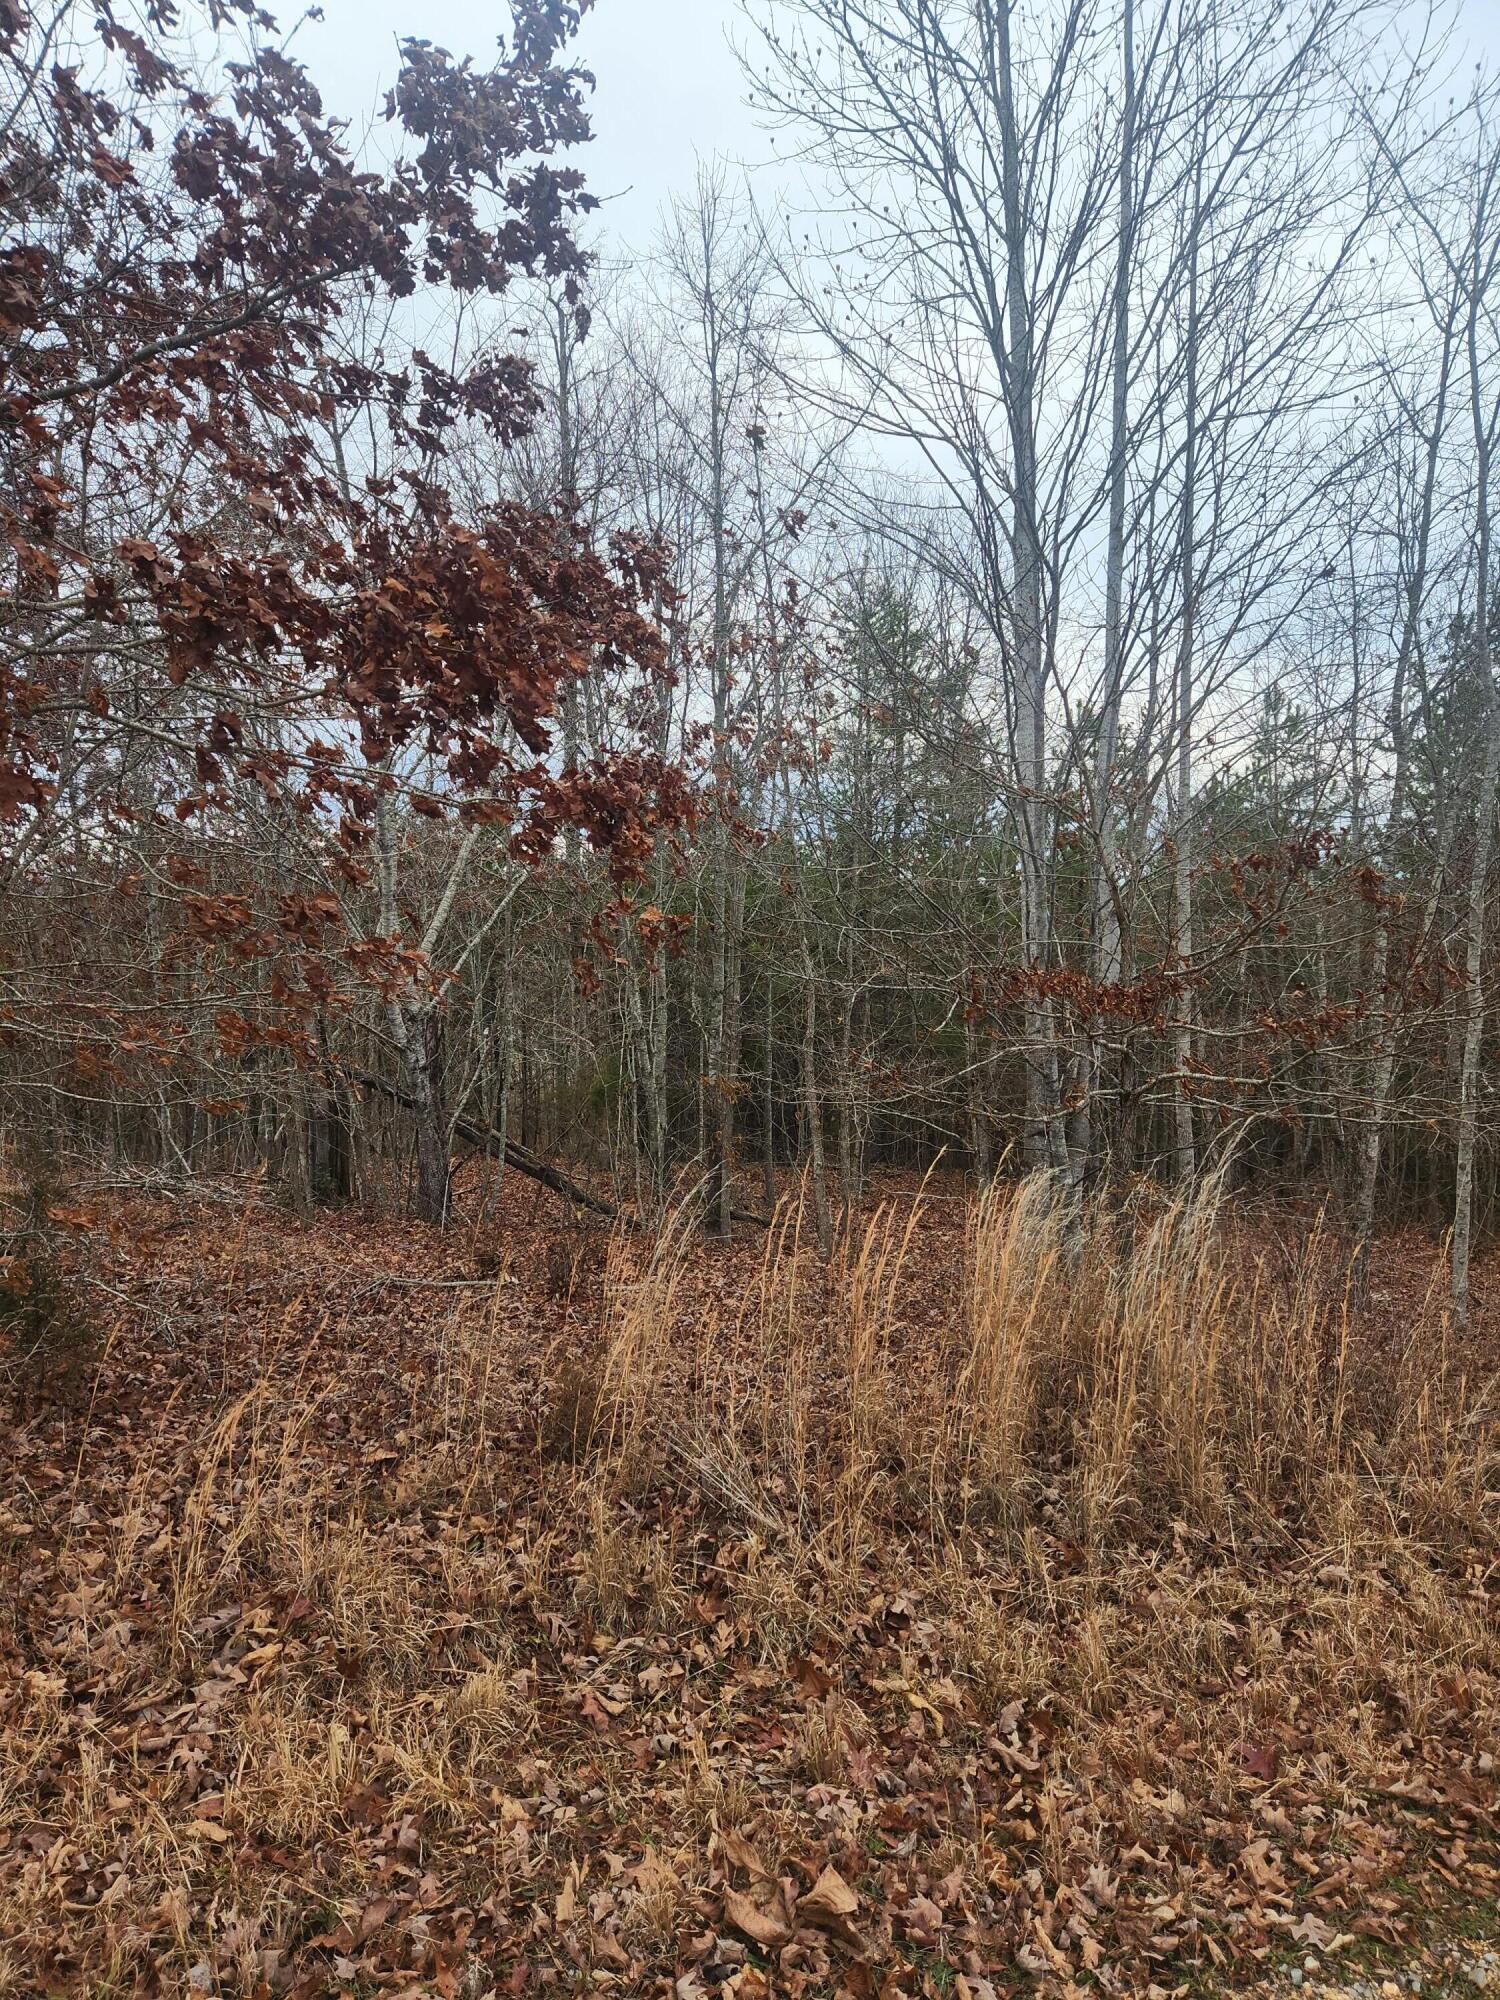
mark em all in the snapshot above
pixel 652 1135
pixel 849 1142
pixel 421 1061
pixel 1484 826
pixel 1106 921
pixel 1046 1140
pixel 812 1110
pixel 729 1053
pixel 1184 1148
pixel 981 1154
pixel 1372 1133
pixel 330 1148
pixel 768 1150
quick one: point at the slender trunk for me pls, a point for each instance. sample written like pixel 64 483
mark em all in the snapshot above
pixel 419 1039
pixel 505 1052
pixel 1474 1011
pixel 711 1086
pixel 643 1076
pixel 1106 921
pixel 564 337
pixel 650 1000
pixel 812 1110
pixel 1045 1138
pixel 416 1027
pixel 768 1116
pixel 975 1066
pixel 1484 825
pixel 1184 1147
pixel 656 1018
pixel 723 997
pixel 330 1152
pixel 730 1051
pixel 848 1169
pixel 1372 1133
pixel 1318 1112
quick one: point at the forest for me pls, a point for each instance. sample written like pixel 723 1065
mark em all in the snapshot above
pixel 749 1144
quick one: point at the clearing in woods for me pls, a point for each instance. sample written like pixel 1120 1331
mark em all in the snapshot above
pixel 524 1608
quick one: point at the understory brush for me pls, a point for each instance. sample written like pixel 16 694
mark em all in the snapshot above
pixel 49 1334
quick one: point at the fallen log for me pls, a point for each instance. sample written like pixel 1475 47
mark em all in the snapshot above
pixel 500 1146
pixel 515 1155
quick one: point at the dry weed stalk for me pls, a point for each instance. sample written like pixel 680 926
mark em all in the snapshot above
pixel 1012 1268
pixel 872 1279
pixel 1133 1370
pixel 641 1314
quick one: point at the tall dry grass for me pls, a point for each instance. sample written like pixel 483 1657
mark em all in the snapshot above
pixel 1108 1454
pixel 1115 1377
pixel 1123 1370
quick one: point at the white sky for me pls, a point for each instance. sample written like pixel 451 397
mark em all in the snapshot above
pixel 669 87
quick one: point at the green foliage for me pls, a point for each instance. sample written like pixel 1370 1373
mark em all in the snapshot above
pixel 1280 789
pixel 48 1338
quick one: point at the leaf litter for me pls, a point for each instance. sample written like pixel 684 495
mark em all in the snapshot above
pixel 364 1636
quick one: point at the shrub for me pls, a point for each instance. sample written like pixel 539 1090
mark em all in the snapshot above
pixel 48 1335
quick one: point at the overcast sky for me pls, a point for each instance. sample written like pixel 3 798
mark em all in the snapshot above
pixel 669 88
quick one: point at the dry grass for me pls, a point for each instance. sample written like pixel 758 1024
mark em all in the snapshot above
pixel 1154 1519
pixel 1111 1377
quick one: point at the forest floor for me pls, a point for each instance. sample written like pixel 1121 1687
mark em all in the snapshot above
pixel 387 1611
